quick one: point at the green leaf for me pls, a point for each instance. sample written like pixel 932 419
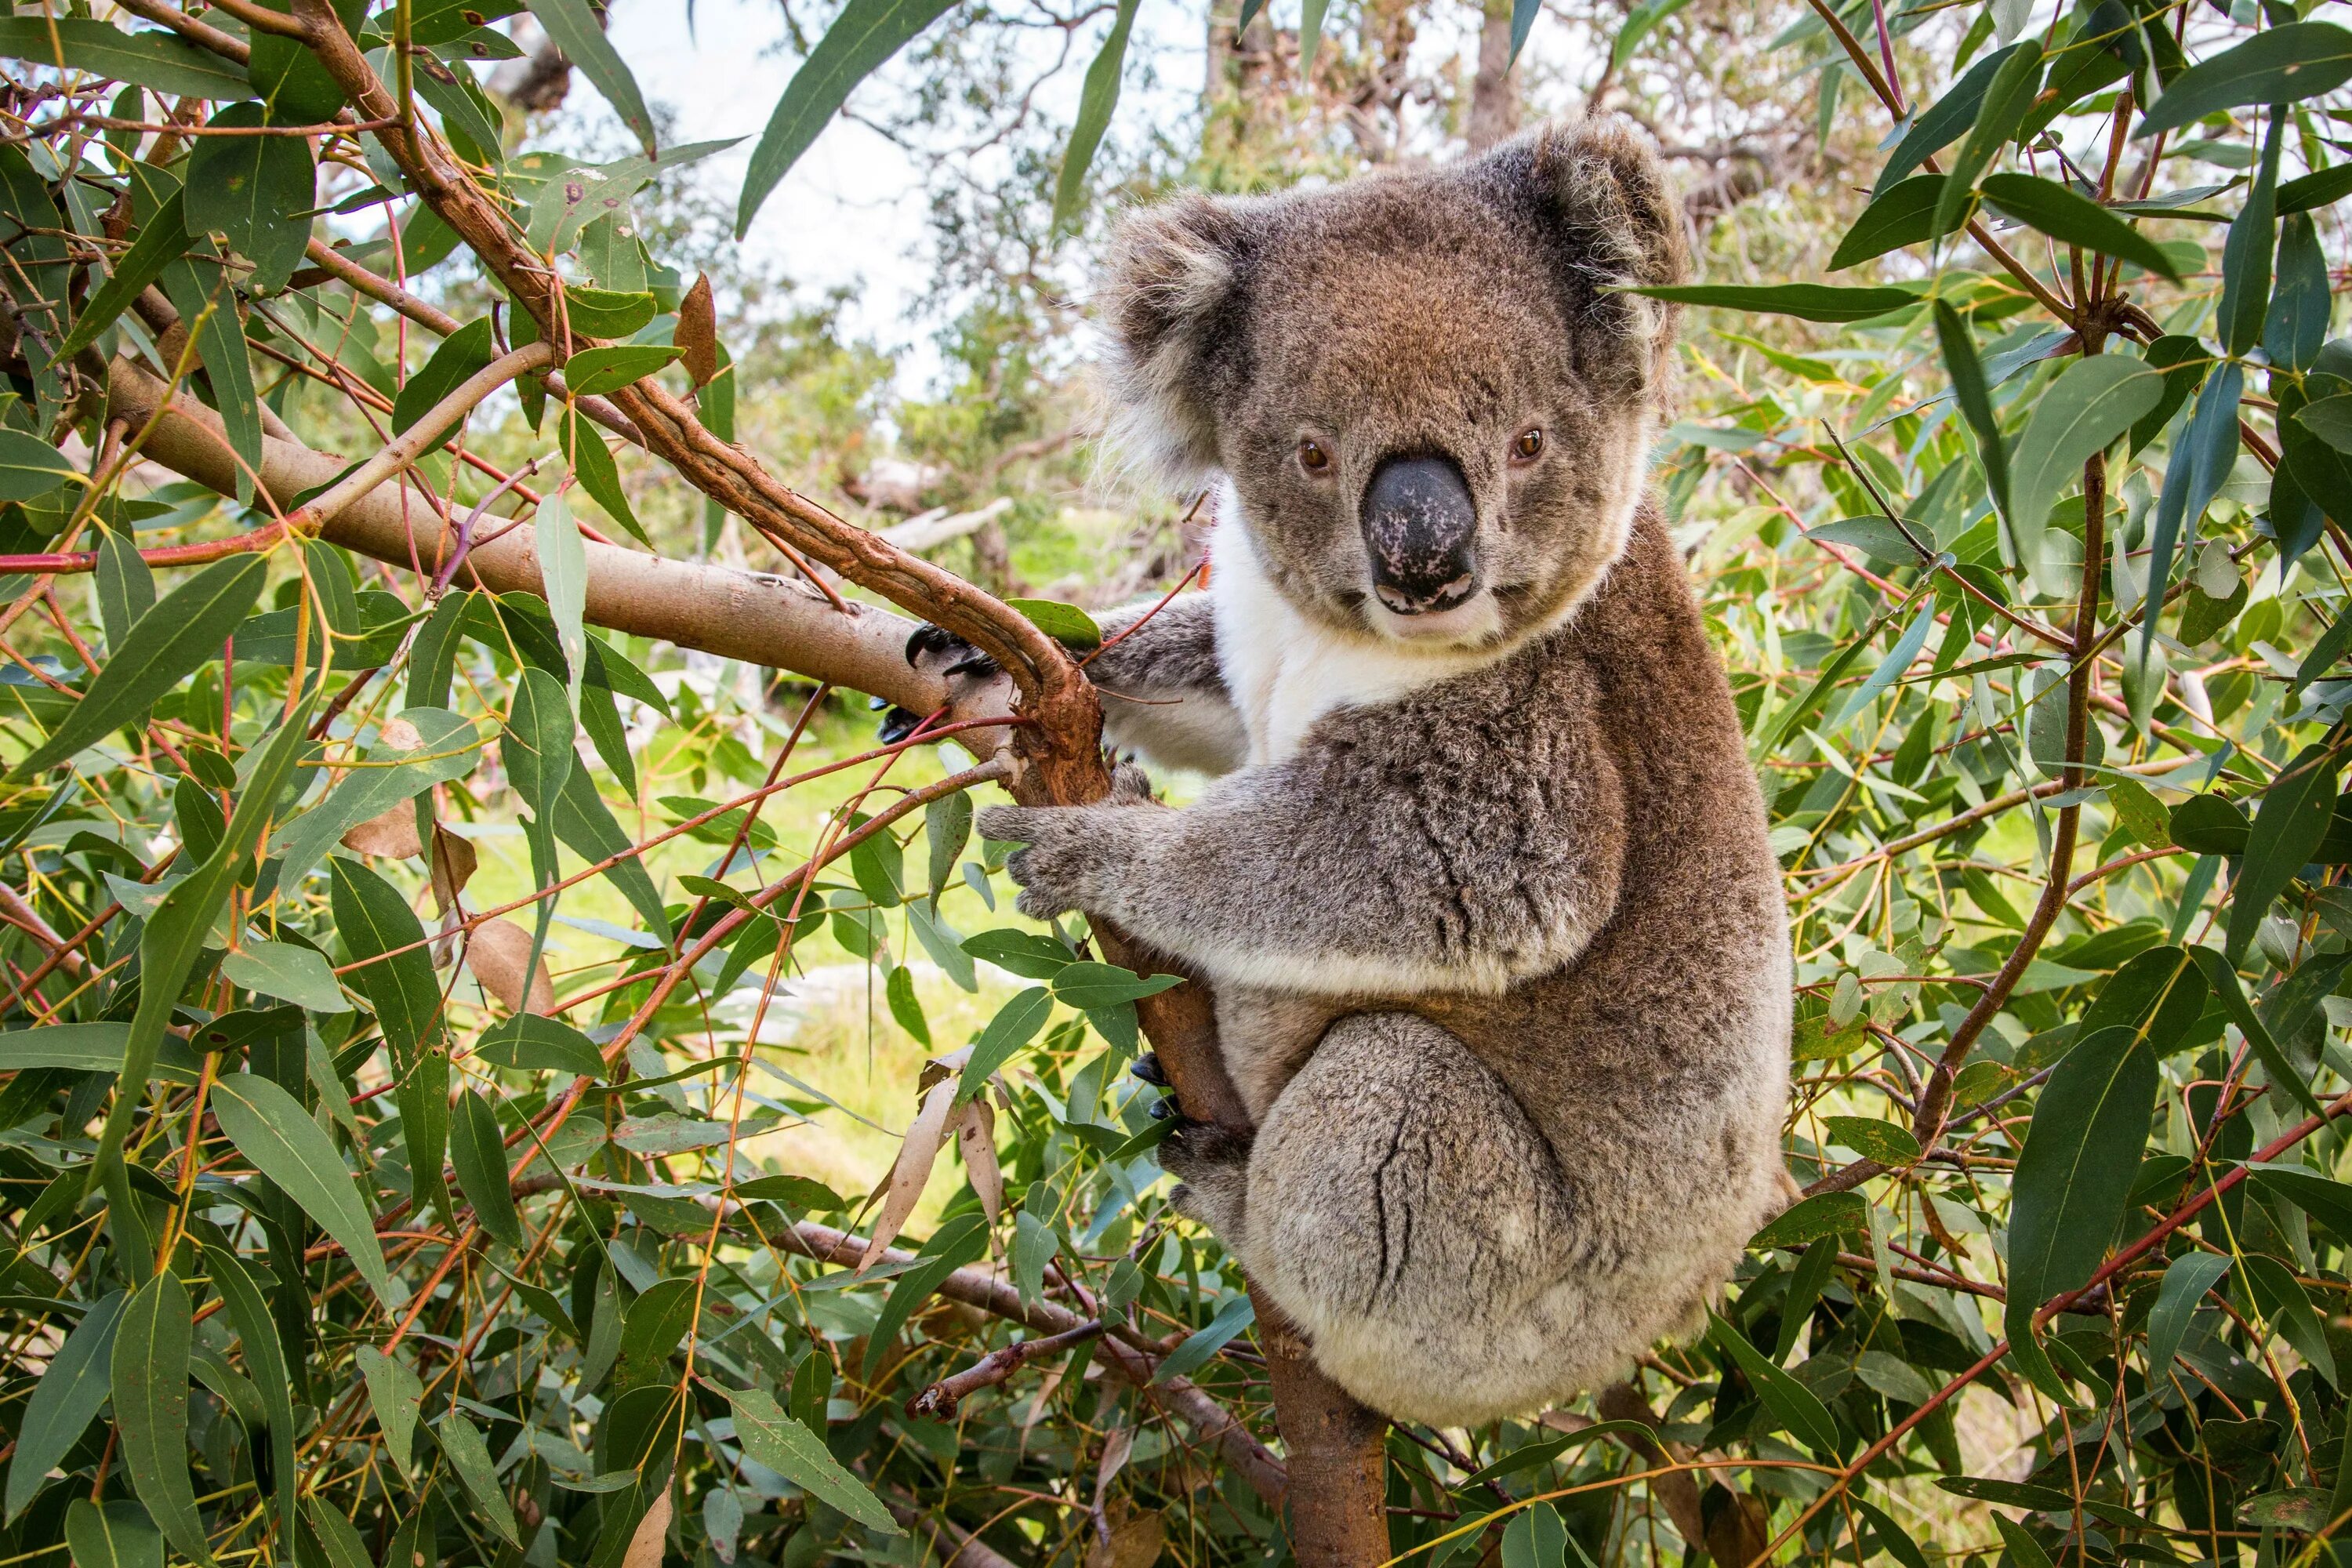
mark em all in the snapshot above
pixel 1792 1404
pixel 1066 624
pixel 529 1043
pixel 345 1548
pixel 2246 254
pixel 2186 1281
pixel 385 938
pixel 395 1395
pixel 1974 396
pixel 2294 815
pixel 1097 99
pixel 573 27
pixel 2313 192
pixel 2328 1202
pixel 960 1239
pixel 89 1047
pixel 591 372
pixel 183 632
pixel 209 301
pixel 2073 219
pixel 2080 415
pixel 1806 301
pixel 65 1398
pixel 774 1439
pixel 1236 1315
pixel 2024 1552
pixel 1535 1538
pixel 2221 979
pixel 30 468
pixel 2281 65
pixel 264 1356
pixel 2200 461
pixel 270 1129
pixel 2330 419
pixel 2007 96
pixel 150 1408
pixel 593 465
pixel 290 973
pixel 126 587
pixel 115 1534
pixel 161 239
pixel 865 34
pixel 2074 1176
pixel 608 313
pixel 157 62
pixel 1016 1025
pixel 248 188
pixel 1025 954
pixel 1904 215
pixel 1089 985
pixel 1812 1219
pixel 1944 120
pixel 905 1006
pixel 470 1457
pixel 947 828
pixel 460 356
pixel 479 1152
pixel 584 822
pixel 178 930
pixel 2283 1301
pixel 1881 1141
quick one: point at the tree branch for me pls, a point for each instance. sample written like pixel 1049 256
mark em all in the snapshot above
pixel 767 620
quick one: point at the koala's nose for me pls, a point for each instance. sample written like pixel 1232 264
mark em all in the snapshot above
pixel 1421 528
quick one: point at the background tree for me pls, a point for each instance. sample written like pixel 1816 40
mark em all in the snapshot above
pixel 462 969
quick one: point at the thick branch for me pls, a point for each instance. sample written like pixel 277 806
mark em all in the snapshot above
pixel 766 619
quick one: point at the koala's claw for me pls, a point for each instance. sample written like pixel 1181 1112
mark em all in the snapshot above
pixel 1146 1068
pixel 1167 1106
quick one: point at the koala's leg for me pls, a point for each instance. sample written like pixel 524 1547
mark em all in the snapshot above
pixel 1403 1209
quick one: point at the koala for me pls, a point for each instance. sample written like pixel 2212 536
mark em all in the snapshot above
pixel 1499 950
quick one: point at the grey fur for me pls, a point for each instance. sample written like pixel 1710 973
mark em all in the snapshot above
pixel 1501 961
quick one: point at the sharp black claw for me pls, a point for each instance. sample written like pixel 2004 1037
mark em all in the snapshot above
pixel 928 639
pixel 1166 1107
pixel 978 663
pixel 1146 1068
pixel 898 724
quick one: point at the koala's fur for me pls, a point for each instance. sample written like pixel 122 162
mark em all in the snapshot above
pixel 1501 960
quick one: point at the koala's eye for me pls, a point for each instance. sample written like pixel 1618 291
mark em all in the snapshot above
pixel 1313 458
pixel 1529 446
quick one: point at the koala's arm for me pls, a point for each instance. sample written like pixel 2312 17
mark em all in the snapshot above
pixel 1163 694
pixel 1398 852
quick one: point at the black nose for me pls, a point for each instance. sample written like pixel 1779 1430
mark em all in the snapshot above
pixel 1421 527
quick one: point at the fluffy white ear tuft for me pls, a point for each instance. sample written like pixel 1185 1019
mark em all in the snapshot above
pixel 1165 300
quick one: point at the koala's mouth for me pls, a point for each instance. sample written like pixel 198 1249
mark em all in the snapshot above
pixel 1467 622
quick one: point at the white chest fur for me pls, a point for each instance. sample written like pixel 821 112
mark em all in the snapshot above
pixel 1285 670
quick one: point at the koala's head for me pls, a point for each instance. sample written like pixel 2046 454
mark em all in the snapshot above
pixel 1436 411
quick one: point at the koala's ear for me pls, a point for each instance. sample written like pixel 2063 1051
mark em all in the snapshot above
pixel 1603 193
pixel 1166 298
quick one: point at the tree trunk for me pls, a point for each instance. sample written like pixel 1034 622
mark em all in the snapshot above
pixel 1494 89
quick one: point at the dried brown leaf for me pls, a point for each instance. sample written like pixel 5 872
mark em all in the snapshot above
pixel 393 834
pixel 496 954
pixel 698 332
pixel 976 1140
pixel 454 860
pixel 646 1545
pixel 913 1167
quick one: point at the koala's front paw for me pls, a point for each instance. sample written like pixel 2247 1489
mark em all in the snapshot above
pixel 1210 1163
pixel 969 675
pixel 1068 865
